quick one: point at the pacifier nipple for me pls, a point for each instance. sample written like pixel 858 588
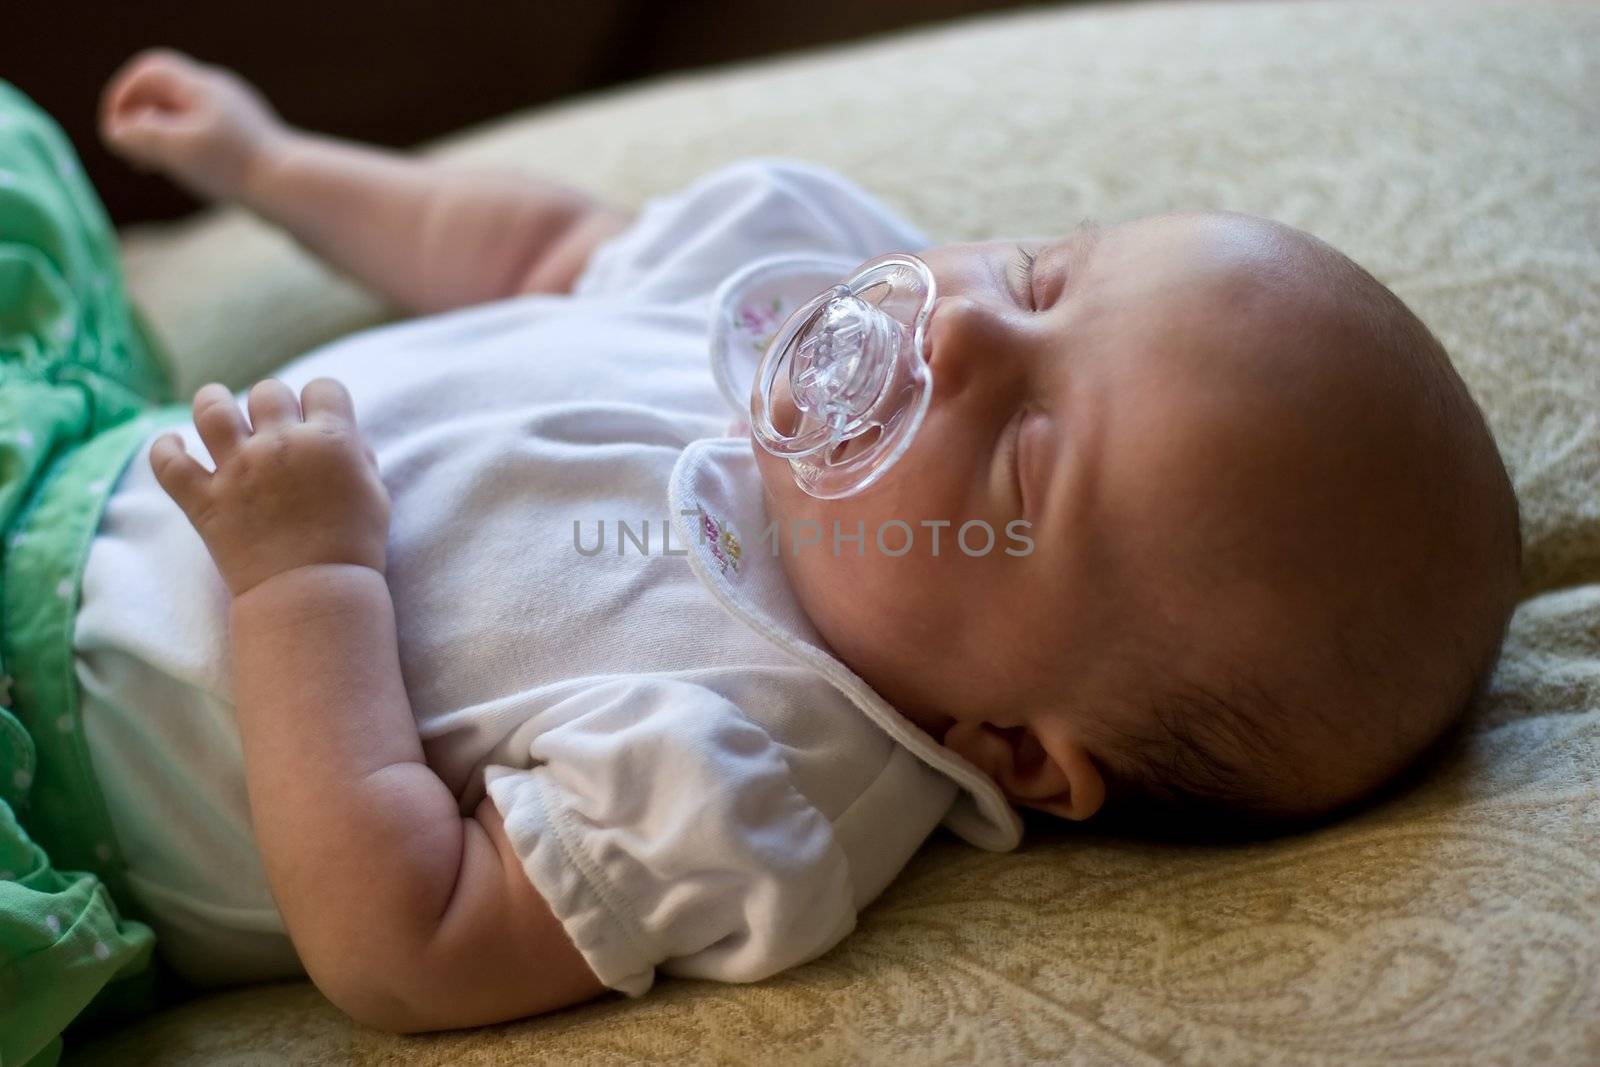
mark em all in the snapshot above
pixel 840 368
pixel 843 386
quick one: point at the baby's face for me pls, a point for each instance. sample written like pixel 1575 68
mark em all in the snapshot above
pixel 1133 399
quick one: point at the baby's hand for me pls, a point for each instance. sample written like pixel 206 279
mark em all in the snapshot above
pixel 292 492
pixel 204 126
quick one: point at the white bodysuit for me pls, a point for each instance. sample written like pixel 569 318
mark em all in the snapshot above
pixel 691 780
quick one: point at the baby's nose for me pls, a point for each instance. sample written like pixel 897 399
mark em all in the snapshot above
pixel 969 341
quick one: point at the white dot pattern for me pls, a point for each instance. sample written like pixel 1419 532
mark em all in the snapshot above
pixel 101 951
pixel 53 924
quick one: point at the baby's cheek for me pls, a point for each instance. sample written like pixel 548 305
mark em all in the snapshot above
pixel 774 473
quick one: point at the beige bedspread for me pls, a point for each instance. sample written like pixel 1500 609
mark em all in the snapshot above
pixel 1454 148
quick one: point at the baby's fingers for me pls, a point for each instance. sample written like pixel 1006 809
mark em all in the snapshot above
pixel 220 422
pixel 150 88
pixel 179 474
pixel 272 404
pixel 328 398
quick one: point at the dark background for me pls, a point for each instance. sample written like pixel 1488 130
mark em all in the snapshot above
pixel 404 71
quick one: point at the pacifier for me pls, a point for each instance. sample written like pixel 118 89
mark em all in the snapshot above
pixel 843 386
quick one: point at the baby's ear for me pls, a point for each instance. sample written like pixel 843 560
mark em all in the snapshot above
pixel 1042 766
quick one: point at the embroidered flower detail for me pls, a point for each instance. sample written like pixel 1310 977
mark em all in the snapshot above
pixel 760 322
pixel 721 542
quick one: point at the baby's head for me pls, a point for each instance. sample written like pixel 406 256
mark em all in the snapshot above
pixel 1273 545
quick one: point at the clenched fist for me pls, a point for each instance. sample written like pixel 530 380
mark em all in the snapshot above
pixel 205 127
pixel 298 488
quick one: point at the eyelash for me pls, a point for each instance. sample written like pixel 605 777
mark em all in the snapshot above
pixel 1024 268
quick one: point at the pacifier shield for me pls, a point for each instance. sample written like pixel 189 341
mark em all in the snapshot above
pixel 843 387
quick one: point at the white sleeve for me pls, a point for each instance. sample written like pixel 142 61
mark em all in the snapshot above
pixel 680 246
pixel 661 826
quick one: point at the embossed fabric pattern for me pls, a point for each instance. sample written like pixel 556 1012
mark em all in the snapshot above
pixel 1451 148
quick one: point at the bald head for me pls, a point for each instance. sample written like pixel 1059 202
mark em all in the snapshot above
pixel 1353 552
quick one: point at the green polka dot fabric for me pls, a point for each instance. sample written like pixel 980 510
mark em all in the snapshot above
pixel 81 387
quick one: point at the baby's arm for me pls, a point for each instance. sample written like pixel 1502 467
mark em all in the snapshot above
pixel 407 915
pixel 425 236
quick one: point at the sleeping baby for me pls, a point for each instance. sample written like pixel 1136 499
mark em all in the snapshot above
pixel 641 605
